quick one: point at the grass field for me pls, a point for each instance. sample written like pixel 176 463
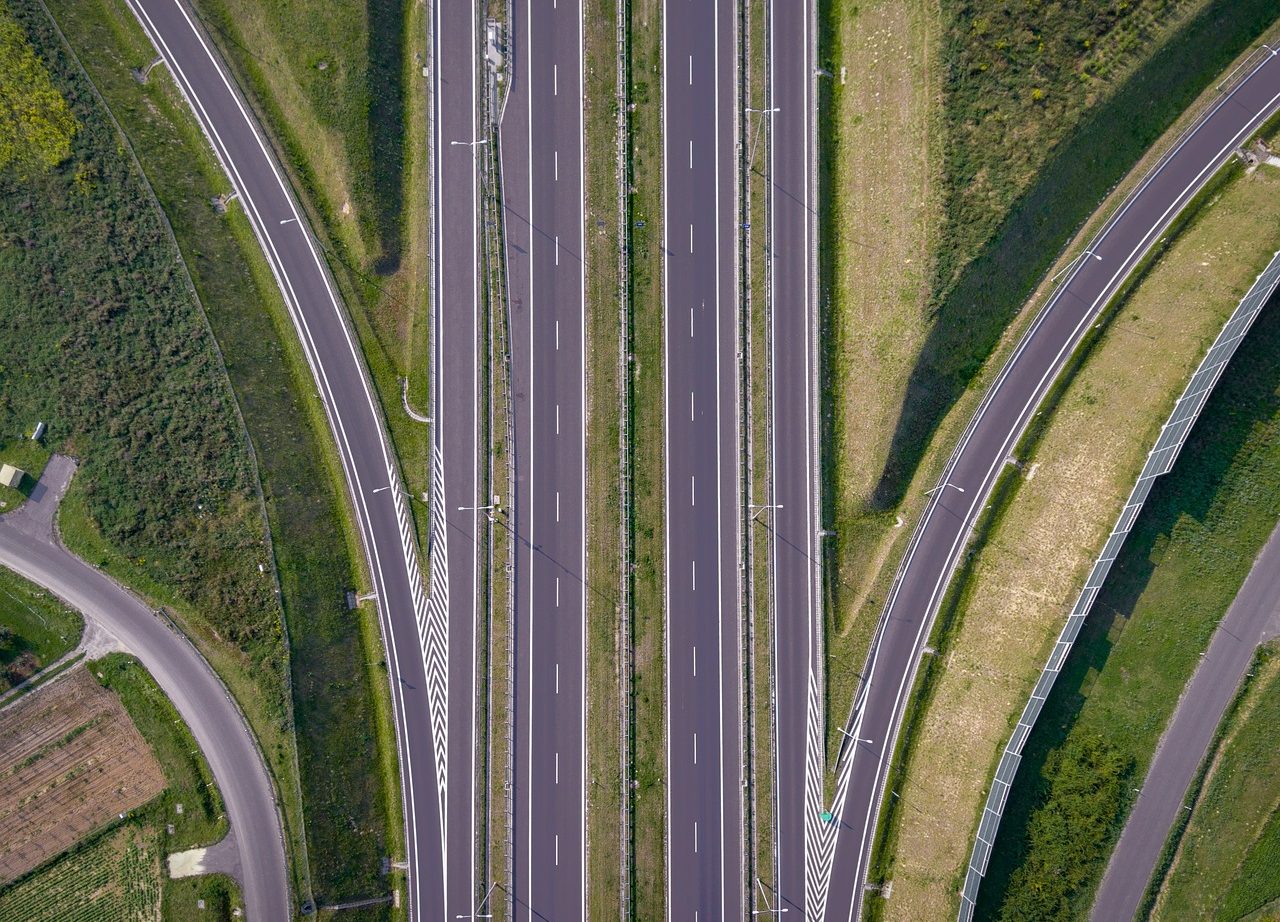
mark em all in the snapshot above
pixel 1077 467
pixel 1225 865
pixel 340 89
pixel 934 259
pixel 648 688
pixel 39 628
pixel 114 878
pixel 180 899
pixel 339 698
pixel 1179 570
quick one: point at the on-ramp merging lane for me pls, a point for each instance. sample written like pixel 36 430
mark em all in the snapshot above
pixel 456 459
pixel 702 315
pixel 542 164
pixel 1003 414
pixel 796 602
pixel 415 639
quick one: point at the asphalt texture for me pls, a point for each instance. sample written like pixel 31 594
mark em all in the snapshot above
pixel 456 330
pixel 703 481
pixel 414 640
pixel 1186 740
pixel 30 547
pixel 799 749
pixel 542 163
pixel 940 537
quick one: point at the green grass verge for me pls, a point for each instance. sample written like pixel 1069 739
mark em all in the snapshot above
pixel 345 754
pixel 1183 563
pixel 35 629
pixel 180 900
pixel 1211 857
pixel 30 458
pixel 1008 220
pixel 606 825
pixel 190 782
pixel 648 690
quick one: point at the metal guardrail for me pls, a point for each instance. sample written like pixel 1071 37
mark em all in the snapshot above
pixel 1159 461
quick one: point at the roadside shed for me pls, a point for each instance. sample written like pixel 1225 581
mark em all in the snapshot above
pixel 11 476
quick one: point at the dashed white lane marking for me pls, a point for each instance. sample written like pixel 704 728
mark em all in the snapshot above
pixel 557 849
pixel 557 322
pixel 690 70
pixel 695 662
pixel 556 162
pixel 288 220
pixel 557 768
pixel 691 153
pixel 690 238
pixel 695 835
pixel 557 505
pixel 557 419
pixel 557 592
pixel 690 406
pixel 691 323
pixel 557 678
pixel 693 575
pixel 557 263
pixel 693 490
pixel 695 748
pixel 555 79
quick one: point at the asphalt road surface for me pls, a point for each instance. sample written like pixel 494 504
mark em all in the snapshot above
pixel 940 536
pixel 705 876
pixel 794 537
pixel 542 162
pixel 415 637
pixel 1254 615
pixel 455 556
pixel 29 547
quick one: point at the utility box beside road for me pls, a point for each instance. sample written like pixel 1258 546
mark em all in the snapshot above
pixel 11 476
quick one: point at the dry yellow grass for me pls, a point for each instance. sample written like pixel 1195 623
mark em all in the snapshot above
pixel 1028 574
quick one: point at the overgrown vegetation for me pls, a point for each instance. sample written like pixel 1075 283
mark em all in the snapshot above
pixel 180 901
pixel 35 629
pixel 36 125
pixel 1179 570
pixel 1227 859
pixel 345 758
pixel 1047 106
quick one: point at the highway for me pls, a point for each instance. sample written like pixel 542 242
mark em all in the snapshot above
pixel 795 555
pixel 1004 412
pixel 456 451
pixel 542 162
pixel 703 478
pixel 1253 615
pixel 29 546
pixel 414 635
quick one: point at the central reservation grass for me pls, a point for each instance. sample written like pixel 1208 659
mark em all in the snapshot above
pixel 939 235
pixel 1225 866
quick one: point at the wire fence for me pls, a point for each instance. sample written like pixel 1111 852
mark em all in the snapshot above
pixel 1159 461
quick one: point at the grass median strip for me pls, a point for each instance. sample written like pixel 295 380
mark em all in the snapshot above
pixel 1046 523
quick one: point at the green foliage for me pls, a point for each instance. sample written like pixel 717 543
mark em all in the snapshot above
pixel 1257 882
pixel 1069 834
pixel 118 359
pixel 1022 175
pixel 1182 565
pixel 180 902
pixel 36 125
pixel 190 782
pixel 33 622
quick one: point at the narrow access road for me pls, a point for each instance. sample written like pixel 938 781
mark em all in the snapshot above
pixel 940 537
pixel 1188 736
pixel 542 167
pixel 456 558
pixel 794 539
pixel 416 637
pixel 703 477
pixel 30 547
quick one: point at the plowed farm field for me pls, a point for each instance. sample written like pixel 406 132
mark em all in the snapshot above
pixel 71 761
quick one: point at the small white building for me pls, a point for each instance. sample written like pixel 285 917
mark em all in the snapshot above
pixel 11 476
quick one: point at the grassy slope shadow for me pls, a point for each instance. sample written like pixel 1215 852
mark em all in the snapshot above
pixel 386 126
pixel 971 319
pixel 1248 395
